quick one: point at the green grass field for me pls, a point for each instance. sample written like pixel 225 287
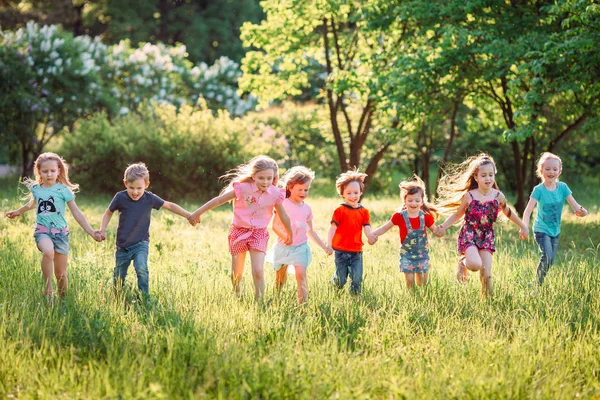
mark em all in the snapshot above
pixel 197 340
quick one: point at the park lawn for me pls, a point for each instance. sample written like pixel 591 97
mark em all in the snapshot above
pixel 197 340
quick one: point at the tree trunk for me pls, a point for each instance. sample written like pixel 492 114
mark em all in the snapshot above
pixel 452 135
pixel 520 203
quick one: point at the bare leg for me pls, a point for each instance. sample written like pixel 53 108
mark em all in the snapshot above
pixel 422 279
pixel 237 271
pixel 280 278
pixel 60 271
pixel 462 273
pixel 257 259
pixel 46 246
pixel 473 259
pixel 410 280
pixel 487 286
pixel 302 281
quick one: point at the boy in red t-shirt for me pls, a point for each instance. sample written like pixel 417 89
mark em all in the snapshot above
pixel 345 232
pixel 413 217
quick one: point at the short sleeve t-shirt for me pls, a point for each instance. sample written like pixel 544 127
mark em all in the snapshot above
pixel 253 208
pixel 300 217
pixel 350 222
pixel 549 208
pixel 51 204
pixel 134 216
pixel 398 219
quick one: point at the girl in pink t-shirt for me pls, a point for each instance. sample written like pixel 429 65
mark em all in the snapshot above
pixel 297 253
pixel 254 193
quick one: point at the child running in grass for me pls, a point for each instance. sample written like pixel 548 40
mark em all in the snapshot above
pixel 470 190
pixel 415 215
pixel 51 191
pixel 135 206
pixel 549 196
pixel 254 193
pixel 345 232
pixel 297 185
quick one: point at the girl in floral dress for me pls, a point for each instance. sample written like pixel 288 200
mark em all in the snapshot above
pixel 470 190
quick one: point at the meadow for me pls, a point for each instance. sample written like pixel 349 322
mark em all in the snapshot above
pixel 197 340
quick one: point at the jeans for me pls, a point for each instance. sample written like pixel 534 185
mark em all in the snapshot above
pixel 138 253
pixel 347 263
pixel 548 247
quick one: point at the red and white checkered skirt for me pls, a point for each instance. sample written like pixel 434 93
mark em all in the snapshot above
pixel 244 239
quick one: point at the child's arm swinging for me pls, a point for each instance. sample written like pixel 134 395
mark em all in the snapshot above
pixel 176 209
pixel 460 211
pixel 105 220
pixel 527 215
pixel 194 218
pixel 285 220
pixel 577 208
pixel 524 231
pixel 313 235
pixel 381 230
pixel 15 213
pixel 80 218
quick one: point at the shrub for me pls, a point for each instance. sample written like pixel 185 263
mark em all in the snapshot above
pixel 186 150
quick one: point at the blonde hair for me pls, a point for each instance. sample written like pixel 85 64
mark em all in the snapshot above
pixel 136 171
pixel 63 171
pixel 348 177
pixel 298 175
pixel 543 158
pixel 414 186
pixel 245 172
pixel 459 180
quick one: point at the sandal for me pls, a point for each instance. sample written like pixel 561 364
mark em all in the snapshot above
pixel 462 273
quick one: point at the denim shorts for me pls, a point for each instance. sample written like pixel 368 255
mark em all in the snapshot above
pixel 60 240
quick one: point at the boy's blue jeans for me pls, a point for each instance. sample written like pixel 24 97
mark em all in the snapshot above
pixel 347 263
pixel 138 253
pixel 548 247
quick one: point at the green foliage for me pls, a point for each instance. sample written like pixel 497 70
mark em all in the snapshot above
pixel 186 150
pixel 197 340
pixel 209 29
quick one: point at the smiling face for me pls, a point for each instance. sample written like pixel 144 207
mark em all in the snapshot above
pixel 550 170
pixel 485 177
pixel 136 188
pixel 352 193
pixel 49 171
pixel 413 202
pixel 264 179
pixel 299 192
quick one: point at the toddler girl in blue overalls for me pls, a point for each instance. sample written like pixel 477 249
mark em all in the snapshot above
pixel 415 215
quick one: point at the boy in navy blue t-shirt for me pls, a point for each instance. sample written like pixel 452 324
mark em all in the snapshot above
pixel 135 206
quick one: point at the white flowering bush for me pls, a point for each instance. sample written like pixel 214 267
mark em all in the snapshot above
pixel 218 84
pixel 164 75
pixel 58 81
pixel 49 79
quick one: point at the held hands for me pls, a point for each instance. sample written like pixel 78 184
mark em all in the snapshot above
pixel 99 235
pixel 194 219
pixel 372 239
pixel 524 233
pixel 328 250
pixel 439 231
pixel 582 212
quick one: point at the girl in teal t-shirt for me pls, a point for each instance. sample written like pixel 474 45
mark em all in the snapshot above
pixel 51 193
pixel 549 196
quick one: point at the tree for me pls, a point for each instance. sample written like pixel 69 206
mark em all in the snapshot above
pixel 353 53
pixel 519 63
pixel 49 79
pixel 209 29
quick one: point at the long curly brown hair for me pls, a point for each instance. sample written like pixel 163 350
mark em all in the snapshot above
pixel 460 179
